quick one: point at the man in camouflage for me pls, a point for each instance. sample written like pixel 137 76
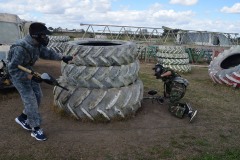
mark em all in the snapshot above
pixel 174 89
pixel 25 52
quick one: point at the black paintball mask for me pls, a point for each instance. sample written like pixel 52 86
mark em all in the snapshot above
pixel 158 69
pixel 39 32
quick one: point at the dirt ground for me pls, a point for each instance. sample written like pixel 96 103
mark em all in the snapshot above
pixel 152 134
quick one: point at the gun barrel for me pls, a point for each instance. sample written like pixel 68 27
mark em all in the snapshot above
pixel 49 79
pixel 63 87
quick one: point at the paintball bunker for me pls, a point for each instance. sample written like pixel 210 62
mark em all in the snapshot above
pixel 103 81
pixel 225 68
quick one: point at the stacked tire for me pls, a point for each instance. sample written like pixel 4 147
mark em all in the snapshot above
pixel 103 80
pixel 59 38
pixel 58 43
pixel 174 57
pixel 225 68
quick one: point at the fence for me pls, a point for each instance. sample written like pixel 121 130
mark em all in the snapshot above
pixel 201 46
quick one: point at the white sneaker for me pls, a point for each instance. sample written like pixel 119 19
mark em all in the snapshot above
pixel 39 135
pixel 23 123
pixel 192 115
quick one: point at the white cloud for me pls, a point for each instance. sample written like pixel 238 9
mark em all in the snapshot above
pixel 101 6
pixel 172 15
pixel 69 14
pixel 155 7
pixel 184 2
pixel 234 9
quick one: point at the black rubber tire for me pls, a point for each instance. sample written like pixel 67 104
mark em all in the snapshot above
pixel 184 68
pixel 59 38
pixel 58 47
pixel 174 61
pixel 84 103
pixel 225 68
pixel 174 57
pixel 100 77
pixel 102 53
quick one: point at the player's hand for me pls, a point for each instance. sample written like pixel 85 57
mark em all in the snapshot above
pixel 37 79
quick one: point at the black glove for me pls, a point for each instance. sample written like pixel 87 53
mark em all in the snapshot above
pixel 37 79
pixel 67 58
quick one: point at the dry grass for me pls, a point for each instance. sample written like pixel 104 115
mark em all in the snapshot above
pixel 216 129
pixel 152 134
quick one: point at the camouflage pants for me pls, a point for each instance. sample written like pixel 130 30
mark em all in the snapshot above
pixel 176 91
pixel 31 95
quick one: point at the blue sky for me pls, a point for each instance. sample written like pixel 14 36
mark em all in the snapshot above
pixel 207 15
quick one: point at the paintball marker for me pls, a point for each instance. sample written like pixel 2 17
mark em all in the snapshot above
pixel 153 96
pixel 45 77
pixel 4 76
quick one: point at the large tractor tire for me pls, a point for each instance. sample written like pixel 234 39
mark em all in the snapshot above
pixel 102 80
pixel 175 61
pixel 59 38
pixel 58 47
pixel 102 53
pixel 100 77
pixel 225 68
pixel 179 68
pixel 95 104
pixel 58 43
pixel 174 57
pixel 171 55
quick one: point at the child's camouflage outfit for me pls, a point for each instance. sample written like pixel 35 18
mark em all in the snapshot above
pixel 174 89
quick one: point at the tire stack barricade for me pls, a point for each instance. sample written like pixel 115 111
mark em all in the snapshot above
pixel 58 43
pixel 174 57
pixel 103 80
pixel 225 68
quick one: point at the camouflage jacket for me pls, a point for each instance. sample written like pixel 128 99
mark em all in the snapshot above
pixel 25 52
pixel 174 77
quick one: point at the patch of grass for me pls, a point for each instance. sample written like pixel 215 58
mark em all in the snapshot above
pixel 229 154
pixel 202 142
pixel 177 144
pixel 182 141
pixel 109 157
pixel 155 150
pixel 212 136
pixel 185 136
pixel 167 153
pixel 150 82
pixel 17 157
pixel 224 138
pixel 159 152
